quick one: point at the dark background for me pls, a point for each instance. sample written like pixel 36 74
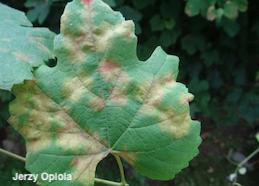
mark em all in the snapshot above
pixel 218 45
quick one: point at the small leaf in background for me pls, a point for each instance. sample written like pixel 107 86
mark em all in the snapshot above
pixel 242 5
pixel 249 107
pixel 130 13
pixel 142 4
pixel 200 89
pixel 234 96
pixel 215 79
pixel 211 57
pixel 230 27
pixel 231 10
pixel 111 3
pixel 211 13
pixel 5 96
pixel 39 10
pixel 170 9
pixel 168 38
pixel 257 136
pixel 219 14
pixel 169 24
pixel 237 157
pixel 193 43
pixel 194 7
pixel 156 23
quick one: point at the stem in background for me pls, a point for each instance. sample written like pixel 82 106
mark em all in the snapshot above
pixel 123 179
pixel 98 180
pixel 248 157
pixel 10 154
pixel 240 165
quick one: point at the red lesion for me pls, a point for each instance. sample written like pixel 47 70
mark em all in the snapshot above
pixel 108 66
pixel 75 162
pixel 87 2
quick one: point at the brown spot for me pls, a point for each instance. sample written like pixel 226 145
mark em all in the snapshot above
pixel 75 162
pixel 168 78
pixel 108 66
pixel 109 70
pixel 118 96
pixel 21 57
pixel 97 104
pixel 130 157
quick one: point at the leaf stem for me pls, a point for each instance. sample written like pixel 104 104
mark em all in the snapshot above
pixel 98 180
pixel 123 179
pixel 10 154
pixel 108 182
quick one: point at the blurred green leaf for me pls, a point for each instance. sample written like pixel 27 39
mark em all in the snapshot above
pixel 156 23
pixel 142 4
pixel 39 10
pixel 130 13
pixel 111 3
pixel 193 43
pixel 194 7
pixel 231 10
pixel 230 27
pixel 242 5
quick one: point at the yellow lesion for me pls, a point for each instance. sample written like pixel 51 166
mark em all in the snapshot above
pixel 158 91
pixel 73 89
pixel 128 156
pixel 186 98
pixel 4 50
pixel 178 125
pixel 83 167
pixel 97 104
pixel 125 29
pixel 21 57
pixel 39 41
pixel 48 123
pixel 171 121
pixel 109 70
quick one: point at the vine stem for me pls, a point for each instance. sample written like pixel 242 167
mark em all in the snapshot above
pixel 248 157
pixel 123 179
pixel 97 180
pixel 240 165
pixel 10 154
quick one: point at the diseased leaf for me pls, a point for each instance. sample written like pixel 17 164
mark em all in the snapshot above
pixel 101 99
pixel 157 23
pixel 22 47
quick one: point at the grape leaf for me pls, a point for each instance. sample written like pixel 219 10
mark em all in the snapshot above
pixel 22 47
pixel 101 99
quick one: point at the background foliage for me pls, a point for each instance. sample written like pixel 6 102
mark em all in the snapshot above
pixel 217 42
